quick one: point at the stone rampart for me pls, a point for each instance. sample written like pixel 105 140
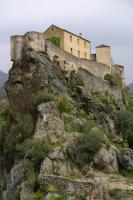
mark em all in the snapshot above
pixel 69 62
pixel 30 41
pixel 69 185
pixel 97 84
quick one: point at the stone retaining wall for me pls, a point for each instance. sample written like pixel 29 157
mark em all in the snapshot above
pixel 69 185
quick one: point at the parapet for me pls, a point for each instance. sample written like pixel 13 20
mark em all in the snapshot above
pixel 16 47
pixel 30 41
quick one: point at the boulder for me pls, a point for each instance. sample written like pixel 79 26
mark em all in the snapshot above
pixel 15 178
pixel 46 167
pixel 106 160
pixel 26 190
pixel 125 158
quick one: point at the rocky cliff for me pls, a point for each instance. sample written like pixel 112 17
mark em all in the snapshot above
pixel 57 138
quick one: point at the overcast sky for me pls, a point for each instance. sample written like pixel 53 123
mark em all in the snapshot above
pixel 100 21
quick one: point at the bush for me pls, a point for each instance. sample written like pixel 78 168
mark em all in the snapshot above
pixel 130 139
pixel 71 125
pixel 129 104
pixel 112 79
pixel 36 196
pixel 5 116
pixel 44 97
pixel 124 123
pixel 63 105
pixel 88 145
pixel 34 149
pixel 55 40
pixel 13 135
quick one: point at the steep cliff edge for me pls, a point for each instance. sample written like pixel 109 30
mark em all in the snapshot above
pixel 60 133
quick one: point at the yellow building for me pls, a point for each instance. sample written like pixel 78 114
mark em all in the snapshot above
pixel 73 44
pixel 103 55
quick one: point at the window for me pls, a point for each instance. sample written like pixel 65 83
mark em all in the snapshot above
pixel 71 51
pixel 85 55
pixel 71 38
pixel 78 41
pixel 78 53
pixel 85 44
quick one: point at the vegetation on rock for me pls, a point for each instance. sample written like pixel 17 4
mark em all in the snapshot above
pixel 55 40
pixel 113 80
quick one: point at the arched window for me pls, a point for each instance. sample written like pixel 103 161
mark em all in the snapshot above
pixel 71 38
pixel 71 50
pixel 85 44
pixel 78 53
pixel 78 40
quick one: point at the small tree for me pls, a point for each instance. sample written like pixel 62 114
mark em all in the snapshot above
pixel 55 40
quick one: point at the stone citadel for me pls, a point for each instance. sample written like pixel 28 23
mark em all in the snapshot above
pixel 71 53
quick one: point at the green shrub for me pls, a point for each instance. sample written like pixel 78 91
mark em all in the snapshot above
pixel 26 126
pixel 5 116
pixel 71 125
pixel 63 105
pixel 129 104
pixel 112 79
pixel 87 128
pixel 55 40
pixel 124 123
pixel 36 196
pixel 44 97
pixel 130 139
pixel 35 149
pixel 88 145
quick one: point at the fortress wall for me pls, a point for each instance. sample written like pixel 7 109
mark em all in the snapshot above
pixel 95 68
pixel 71 62
pixel 98 84
pixel 34 41
pixel 31 40
pixel 16 46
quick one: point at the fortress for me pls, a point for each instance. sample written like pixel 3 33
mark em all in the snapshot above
pixel 69 50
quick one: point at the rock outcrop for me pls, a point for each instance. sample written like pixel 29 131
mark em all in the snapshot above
pixel 107 160
pixel 34 73
pixel 125 158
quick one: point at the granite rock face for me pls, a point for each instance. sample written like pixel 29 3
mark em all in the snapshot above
pixel 125 159
pixel 28 78
pixel 15 178
pixel 49 123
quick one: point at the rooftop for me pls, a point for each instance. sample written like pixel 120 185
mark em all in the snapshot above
pixel 103 45
pixel 69 32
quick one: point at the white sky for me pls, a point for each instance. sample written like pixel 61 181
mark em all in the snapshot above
pixel 100 21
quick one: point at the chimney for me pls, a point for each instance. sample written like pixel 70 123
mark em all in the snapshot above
pixel 80 34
